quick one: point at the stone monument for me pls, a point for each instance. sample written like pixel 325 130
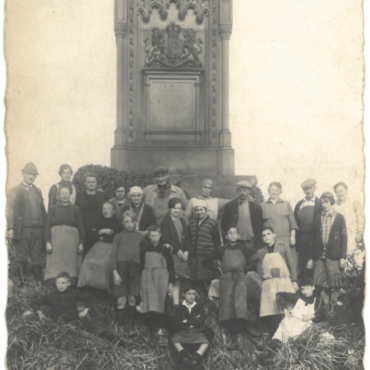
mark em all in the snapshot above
pixel 173 86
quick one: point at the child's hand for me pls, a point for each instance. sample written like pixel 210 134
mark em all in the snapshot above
pixel 117 279
pixel 168 247
pixel 308 317
pixel 185 255
pixel 309 265
pixel 342 263
pixel 49 248
pixel 169 289
pixel 41 316
pixel 80 249
pixel 295 286
pixel 83 313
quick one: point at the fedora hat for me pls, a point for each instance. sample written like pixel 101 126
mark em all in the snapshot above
pixel 30 168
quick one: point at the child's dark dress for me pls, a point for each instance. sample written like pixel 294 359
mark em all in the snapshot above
pixel 195 317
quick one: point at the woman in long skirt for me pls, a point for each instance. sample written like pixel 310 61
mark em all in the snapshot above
pixel 64 235
pixel 96 268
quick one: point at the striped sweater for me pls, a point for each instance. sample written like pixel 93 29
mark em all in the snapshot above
pixel 204 237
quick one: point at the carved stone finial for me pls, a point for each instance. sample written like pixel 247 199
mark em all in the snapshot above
pixel 120 30
pixel 225 31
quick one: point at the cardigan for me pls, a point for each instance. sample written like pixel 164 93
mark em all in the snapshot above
pixel 169 235
pixel 147 216
pixel 336 247
pixel 230 217
pixel 17 203
pixel 68 215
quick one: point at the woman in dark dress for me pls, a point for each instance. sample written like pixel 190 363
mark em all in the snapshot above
pixel 119 201
pixel 96 269
pixel 64 235
pixel 65 173
pixel 90 202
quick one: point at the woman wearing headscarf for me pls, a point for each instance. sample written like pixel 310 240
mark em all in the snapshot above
pixel 65 173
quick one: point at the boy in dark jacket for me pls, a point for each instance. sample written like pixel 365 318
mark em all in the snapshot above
pixel 63 305
pixel 189 327
pixel 329 252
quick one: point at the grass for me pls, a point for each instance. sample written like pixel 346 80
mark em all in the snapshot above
pixel 33 345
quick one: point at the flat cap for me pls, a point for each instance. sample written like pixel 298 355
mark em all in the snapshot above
pixel 30 168
pixel 160 170
pixel 308 182
pixel 244 184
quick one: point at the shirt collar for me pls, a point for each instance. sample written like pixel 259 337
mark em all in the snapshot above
pixel 331 213
pixel 277 201
pixel 309 200
pixel 189 307
pixel 26 185
pixel 173 189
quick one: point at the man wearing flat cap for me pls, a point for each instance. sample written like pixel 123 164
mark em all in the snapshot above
pixel 158 195
pixel 25 222
pixel 305 212
pixel 246 215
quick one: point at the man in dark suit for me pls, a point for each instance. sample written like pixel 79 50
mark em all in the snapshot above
pixel 245 214
pixel 25 222
pixel 304 212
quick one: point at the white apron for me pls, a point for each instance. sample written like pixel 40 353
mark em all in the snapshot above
pixel 276 278
pixel 294 326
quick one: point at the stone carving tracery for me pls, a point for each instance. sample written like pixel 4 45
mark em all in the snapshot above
pixel 199 7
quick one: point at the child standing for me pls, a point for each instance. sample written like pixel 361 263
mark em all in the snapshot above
pixel 233 284
pixel 63 305
pixel 189 327
pixel 156 279
pixel 125 262
pixel 329 252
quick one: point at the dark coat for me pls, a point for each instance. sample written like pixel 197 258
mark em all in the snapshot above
pixel 317 210
pixel 230 217
pixel 336 247
pixel 169 235
pixel 16 208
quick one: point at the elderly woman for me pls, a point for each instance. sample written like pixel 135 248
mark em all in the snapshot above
pixel 96 269
pixel 204 239
pixel 353 214
pixel 90 202
pixel 175 234
pixel 214 205
pixel 278 214
pixel 65 173
pixel 64 235
pixel 145 214
pixel 119 201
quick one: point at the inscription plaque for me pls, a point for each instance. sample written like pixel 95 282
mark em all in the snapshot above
pixel 172 105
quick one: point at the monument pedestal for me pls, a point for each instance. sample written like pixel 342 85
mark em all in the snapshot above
pixel 173 86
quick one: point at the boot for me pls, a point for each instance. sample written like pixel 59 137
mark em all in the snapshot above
pixel 131 310
pixel 37 273
pixel 234 344
pixel 21 272
pixel 120 317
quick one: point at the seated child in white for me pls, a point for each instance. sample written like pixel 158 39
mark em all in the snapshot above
pixel 301 309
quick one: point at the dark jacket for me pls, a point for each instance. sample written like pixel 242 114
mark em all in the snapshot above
pixel 288 301
pixel 317 210
pixel 230 217
pixel 169 235
pixel 147 217
pixel 195 318
pixel 16 208
pixel 63 304
pixel 336 247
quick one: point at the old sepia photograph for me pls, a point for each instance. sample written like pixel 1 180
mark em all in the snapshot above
pixel 184 185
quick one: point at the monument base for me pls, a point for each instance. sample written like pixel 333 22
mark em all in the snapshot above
pixel 189 161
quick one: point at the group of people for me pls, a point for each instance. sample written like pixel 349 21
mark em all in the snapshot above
pixel 154 249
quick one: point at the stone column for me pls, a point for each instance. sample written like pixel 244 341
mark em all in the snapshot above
pixel 225 153
pixel 120 31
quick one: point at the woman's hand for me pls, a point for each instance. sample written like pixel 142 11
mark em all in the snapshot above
pixel 83 313
pixel 80 249
pixel 169 289
pixel 309 265
pixel 105 231
pixel 49 248
pixel 117 279
pixel 180 255
pixel 342 263
pixel 295 286
pixel 185 255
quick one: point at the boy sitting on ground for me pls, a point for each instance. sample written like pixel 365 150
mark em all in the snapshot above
pixel 189 327
pixel 63 305
pixel 301 309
